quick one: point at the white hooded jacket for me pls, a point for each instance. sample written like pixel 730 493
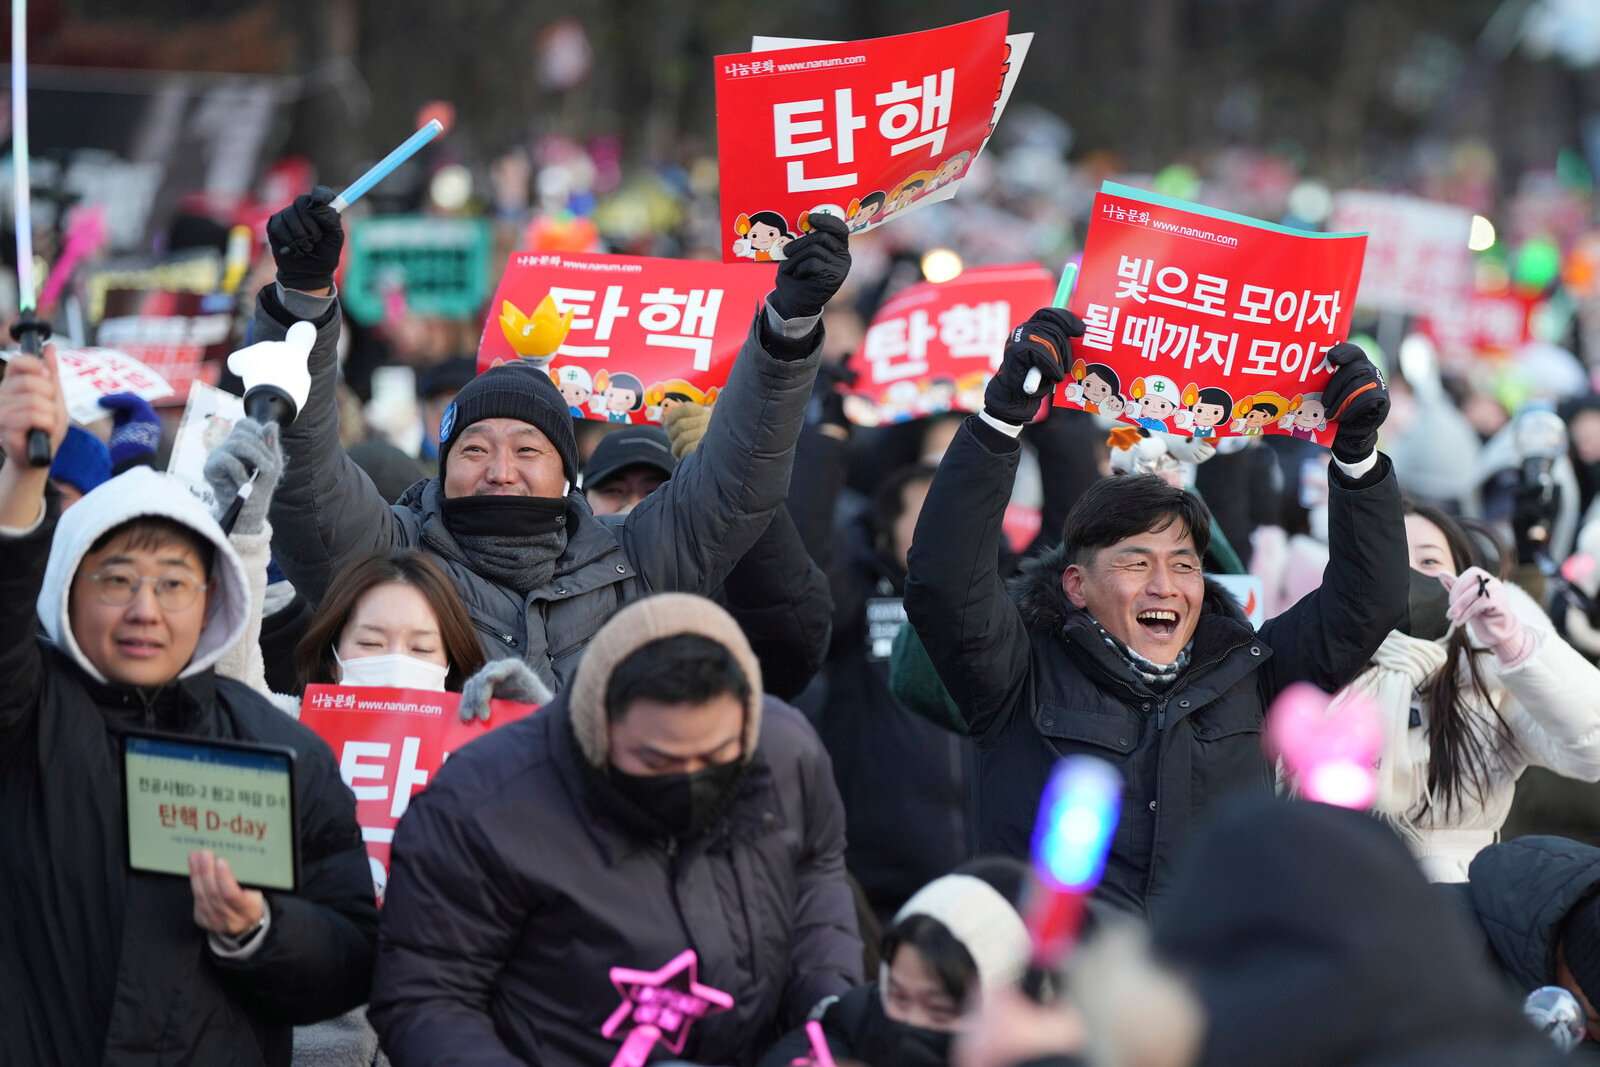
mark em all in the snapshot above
pixel 140 493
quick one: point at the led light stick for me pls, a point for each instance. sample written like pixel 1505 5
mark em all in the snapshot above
pixel 29 331
pixel 821 1055
pixel 386 166
pixel 1328 750
pixel 1077 818
pixel 84 236
pixel 1069 281
pixel 277 382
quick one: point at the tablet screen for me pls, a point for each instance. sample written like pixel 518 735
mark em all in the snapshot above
pixel 186 794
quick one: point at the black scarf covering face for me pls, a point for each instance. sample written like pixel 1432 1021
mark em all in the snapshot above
pixel 514 540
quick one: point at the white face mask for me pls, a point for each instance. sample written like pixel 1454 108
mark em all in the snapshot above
pixel 398 671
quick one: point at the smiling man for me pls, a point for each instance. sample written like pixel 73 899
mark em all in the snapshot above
pixel 1115 644
pixel 538 572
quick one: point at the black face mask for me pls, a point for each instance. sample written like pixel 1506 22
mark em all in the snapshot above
pixel 1428 600
pixel 887 1043
pixel 683 804
pixel 504 516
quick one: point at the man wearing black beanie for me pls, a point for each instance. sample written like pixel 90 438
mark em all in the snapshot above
pixel 539 574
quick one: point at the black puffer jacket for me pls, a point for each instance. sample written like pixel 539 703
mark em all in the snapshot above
pixel 1521 892
pixel 1312 939
pixel 1035 681
pixel 102 965
pixel 515 891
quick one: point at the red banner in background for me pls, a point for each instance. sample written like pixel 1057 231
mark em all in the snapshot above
pixel 389 743
pixel 932 347
pixel 1480 324
pixel 858 129
pixel 622 336
pixel 1207 323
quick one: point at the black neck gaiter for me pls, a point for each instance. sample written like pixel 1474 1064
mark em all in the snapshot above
pixel 514 540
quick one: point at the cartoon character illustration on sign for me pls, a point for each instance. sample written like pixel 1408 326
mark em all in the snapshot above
pixel 662 397
pixel 760 234
pixel 624 396
pixel 1253 414
pixel 1112 406
pixel 938 396
pixel 865 212
pixel 1203 410
pixel 535 337
pixel 575 385
pixel 950 169
pixel 1093 384
pixel 1309 418
pixel 802 221
pixel 907 192
pixel 969 390
pixel 1154 400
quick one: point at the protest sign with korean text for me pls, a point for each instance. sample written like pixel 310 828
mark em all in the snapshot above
pixel 860 129
pixel 184 337
pixel 1207 323
pixel 389 743
pixel 208 418
pixel 1417 255
pixel 623 337
pixel 87 374
pixel 932 347
pixel 437 266
pixel 1480 324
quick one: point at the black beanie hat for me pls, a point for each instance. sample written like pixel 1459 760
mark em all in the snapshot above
pixel 1580 945
pixel 518 391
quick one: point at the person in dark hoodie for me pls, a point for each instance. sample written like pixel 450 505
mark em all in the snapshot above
pixel 659 804
pixel 1538 902
pixel 139 594
pixel 1312 938
pixel 1116 645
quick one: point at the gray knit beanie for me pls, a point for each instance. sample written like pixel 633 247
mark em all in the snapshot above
pixel 518 391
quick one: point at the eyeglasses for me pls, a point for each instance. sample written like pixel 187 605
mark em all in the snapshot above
pixel 175 591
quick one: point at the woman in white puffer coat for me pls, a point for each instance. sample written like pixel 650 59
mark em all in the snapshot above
pixel 1477 691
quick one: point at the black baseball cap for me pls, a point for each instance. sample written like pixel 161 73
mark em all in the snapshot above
pixel 635 446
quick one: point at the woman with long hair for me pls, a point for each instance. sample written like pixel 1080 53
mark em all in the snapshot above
pixel 1476 689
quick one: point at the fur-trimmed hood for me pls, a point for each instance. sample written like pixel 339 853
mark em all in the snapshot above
pixel 1036 589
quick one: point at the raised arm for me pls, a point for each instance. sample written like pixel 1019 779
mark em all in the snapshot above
pixel 326 513
pixel 1329 636
pixel 688 534
pixel 970 626
pixel 30 398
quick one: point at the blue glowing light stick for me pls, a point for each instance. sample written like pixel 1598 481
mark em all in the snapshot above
pixel 1077 820
pixel 386 166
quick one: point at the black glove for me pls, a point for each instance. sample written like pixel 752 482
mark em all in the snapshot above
pixel 813 268
pixel 1043 342
pixel 306 239
pixel 1357 400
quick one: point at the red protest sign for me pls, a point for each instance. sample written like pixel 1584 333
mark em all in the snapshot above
pixel 1480 324
pixel 389 743
pixel 932 347
pixel 859 129
pixel 1208 323
pixel 623 336
pixel 184 337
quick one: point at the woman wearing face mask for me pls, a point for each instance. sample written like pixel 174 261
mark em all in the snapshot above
pixel 1479 689
pixel 955 938
pixel 391 620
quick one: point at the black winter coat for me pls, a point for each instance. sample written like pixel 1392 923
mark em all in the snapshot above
pixel 514 892
pixel 1035 682
pixel 101 965
pixel 1520 892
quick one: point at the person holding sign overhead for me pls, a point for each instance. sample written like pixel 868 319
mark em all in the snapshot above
pixel 539 574
pixel 124 935
pixel 1115 644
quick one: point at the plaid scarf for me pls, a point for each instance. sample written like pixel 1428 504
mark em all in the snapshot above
pixel 1158 676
